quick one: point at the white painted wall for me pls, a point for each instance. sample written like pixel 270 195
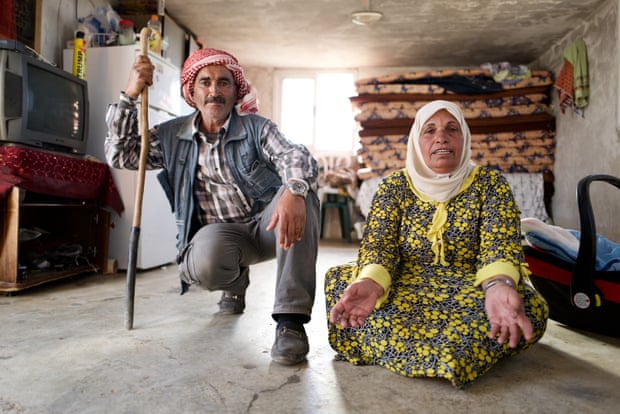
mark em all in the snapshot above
pixel 58 19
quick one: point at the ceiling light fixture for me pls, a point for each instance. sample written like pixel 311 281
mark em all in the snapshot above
pixel 366 17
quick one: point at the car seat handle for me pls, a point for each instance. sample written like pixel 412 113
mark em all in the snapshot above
pixel 584 293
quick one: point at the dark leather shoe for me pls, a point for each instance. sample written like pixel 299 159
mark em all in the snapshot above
pixel 232 303
pixel 291 346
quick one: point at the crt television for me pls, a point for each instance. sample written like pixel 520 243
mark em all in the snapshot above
pixel 41 105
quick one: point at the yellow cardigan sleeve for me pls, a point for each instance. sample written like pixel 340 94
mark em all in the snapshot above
pixel 498 268
pixel 381 276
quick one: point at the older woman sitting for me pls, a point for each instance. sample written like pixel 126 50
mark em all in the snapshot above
pixel 440 287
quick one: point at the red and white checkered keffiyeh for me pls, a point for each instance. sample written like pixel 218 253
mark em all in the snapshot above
pixel 246 95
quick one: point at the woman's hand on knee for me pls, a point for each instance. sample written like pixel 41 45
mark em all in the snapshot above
pixel 356 303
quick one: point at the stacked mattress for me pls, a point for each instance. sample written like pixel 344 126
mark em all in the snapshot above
pixel 512 124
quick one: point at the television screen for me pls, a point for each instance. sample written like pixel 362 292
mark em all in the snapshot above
pixel 54 104
pixel 41 105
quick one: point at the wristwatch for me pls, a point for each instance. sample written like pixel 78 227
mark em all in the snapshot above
pixel 298 188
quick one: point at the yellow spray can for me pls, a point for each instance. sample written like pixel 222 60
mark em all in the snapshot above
pixel 79 55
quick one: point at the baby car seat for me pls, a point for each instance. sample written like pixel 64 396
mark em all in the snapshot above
pixel 579 295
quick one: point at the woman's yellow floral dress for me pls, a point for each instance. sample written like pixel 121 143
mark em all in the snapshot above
pixel 433 323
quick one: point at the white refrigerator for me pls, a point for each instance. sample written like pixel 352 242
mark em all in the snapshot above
pixel 107 71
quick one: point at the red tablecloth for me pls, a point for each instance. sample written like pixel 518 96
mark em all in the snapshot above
pixel 58 175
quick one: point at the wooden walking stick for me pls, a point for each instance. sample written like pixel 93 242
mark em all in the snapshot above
pixel 134 236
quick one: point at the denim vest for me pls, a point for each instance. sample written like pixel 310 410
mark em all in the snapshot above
pixel 256 177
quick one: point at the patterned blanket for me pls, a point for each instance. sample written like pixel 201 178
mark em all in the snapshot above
pixel 448 81
pixel 512 123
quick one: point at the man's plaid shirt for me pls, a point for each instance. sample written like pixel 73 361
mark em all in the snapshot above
pixel 220 199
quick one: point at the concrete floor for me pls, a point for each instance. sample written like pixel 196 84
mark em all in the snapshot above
pixel 64 349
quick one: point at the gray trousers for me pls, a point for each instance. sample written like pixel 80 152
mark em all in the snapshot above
pixel 219 257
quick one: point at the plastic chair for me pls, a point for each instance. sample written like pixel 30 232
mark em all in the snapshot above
pixel 341 202
pixel 335 197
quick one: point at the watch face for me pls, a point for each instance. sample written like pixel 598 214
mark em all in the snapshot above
pixel 298 188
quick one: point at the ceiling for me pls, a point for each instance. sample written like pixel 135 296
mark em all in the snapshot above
pixel 431 33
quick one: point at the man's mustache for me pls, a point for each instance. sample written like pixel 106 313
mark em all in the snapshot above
pixel 215 99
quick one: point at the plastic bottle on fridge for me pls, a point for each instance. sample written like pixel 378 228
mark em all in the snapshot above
pixel 155 38
pixel 79 55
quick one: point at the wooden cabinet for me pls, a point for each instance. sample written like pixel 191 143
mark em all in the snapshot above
pixel 45 238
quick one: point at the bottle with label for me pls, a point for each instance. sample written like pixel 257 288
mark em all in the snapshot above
pixel 155 38
pixel 79 55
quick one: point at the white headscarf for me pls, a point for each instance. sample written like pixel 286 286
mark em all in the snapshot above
pixel 438 187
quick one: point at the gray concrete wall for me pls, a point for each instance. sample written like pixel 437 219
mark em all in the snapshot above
pixel 590 144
